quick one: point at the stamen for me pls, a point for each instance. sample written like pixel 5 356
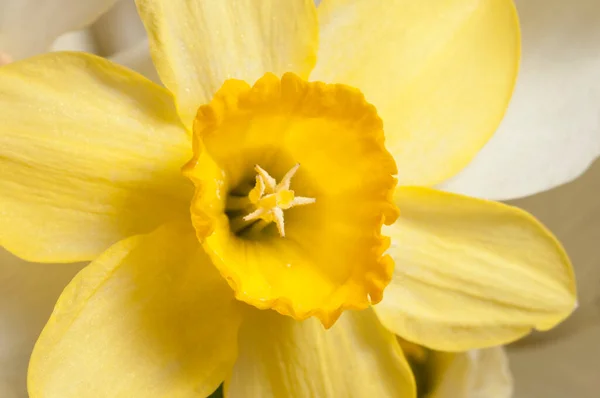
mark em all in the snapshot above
pixel 268 200
pixel 256 214
pixel 269 181
pixel 278 215
pixel 258 190
pixel 299 201
pixel 287 178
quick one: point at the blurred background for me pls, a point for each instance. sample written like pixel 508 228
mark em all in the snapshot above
pixel 565 362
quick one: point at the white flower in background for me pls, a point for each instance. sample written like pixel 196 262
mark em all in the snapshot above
pixel 112 29
pixel 121 37
pixel 29 27
pixel 28 292
pixel 473 374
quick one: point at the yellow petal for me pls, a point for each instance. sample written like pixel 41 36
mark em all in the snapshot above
pixel 333 245
pixel 198 44
pixel 439 72
pixel 90 153
pixel 280 357
pixel 473 374
pixel 472 273
pixel 149 318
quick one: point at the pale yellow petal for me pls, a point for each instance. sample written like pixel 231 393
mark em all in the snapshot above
pixel 474 374
pixel 439 72
pixel 150 317
pixel 90 153
pixel 197 44
pixel 28 292
pixel 281 357
pixel 472 273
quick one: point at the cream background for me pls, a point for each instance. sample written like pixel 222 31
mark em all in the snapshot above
pixel 565 362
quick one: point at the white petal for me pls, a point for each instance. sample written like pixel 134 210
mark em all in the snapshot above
pixel 121 37
pixel 138 59
pixel 551 132
pixel 79 40
pixel 29 27
pixel 119 29
pixel 28 292
pixel 476 374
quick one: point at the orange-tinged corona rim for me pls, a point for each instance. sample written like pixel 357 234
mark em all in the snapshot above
pixel 296 99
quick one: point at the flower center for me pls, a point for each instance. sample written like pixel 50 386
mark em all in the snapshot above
pixel 333 257
pixel 265 203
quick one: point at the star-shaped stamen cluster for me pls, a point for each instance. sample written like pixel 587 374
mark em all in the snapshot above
pixel 271 199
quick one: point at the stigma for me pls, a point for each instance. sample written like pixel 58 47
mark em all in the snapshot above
pixel 268 199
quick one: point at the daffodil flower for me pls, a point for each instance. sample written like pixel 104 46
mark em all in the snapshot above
pixel 292 182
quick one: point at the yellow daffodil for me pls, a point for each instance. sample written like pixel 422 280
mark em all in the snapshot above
pixel 286 185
